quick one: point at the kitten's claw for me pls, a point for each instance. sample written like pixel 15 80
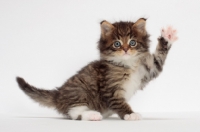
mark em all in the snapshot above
pixel 169 34
pixel 132 117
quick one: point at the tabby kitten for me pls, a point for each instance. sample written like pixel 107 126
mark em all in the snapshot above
pixel 104 87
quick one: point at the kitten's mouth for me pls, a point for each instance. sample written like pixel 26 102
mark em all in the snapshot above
pixel 126 56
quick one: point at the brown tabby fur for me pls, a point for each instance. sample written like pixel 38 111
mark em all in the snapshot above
pixel 99 84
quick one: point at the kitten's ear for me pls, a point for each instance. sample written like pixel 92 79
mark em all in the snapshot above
pixel 106 28
pixel 140 25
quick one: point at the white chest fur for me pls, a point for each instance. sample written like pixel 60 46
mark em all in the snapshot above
pixel 133 83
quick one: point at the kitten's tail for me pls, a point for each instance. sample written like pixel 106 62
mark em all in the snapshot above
pixel 43 97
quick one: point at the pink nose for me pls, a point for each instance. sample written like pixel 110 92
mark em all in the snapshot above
pixel 125 49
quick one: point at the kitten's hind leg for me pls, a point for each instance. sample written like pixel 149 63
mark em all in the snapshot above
pixel 84 113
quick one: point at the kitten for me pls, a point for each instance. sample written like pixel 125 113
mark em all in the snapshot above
pixel 104 87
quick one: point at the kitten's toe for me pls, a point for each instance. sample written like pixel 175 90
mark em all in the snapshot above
pixel 132 117
pixel 169 34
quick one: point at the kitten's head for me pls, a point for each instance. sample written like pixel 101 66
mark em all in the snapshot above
pixel 123 42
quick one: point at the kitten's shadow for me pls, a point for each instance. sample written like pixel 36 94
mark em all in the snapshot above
pixel 143 119
pixel 107 119
pixel 160 119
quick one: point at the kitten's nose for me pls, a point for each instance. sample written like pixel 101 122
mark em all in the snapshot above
pixel 125 49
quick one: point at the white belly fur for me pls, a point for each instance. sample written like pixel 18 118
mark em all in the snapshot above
pixel 133 83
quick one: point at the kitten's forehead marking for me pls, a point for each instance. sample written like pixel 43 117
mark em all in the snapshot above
pixel 123 28
pixel 123 33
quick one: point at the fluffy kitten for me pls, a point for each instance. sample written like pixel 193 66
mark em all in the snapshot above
pixel 104 87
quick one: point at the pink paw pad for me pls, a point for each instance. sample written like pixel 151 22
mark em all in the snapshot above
pixel 169 34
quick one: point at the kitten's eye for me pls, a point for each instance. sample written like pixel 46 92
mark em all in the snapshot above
pixel 117 44
pixel 132 43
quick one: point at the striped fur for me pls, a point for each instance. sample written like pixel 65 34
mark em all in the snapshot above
pixel 103 87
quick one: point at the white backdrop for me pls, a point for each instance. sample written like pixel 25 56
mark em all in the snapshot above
pixel 47 41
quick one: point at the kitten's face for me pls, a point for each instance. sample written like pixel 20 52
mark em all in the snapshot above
pixel 123 41
pixel 123 47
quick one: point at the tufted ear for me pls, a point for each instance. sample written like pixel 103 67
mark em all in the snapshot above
pixel 140 26
pixel 106 28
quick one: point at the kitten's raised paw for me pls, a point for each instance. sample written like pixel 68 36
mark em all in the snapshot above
pixel 132 117
pixel 169 34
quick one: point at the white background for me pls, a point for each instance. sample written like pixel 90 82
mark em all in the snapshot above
pixel 48 41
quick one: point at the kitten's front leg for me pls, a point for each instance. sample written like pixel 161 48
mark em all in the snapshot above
pixel 168 37
pixel 123 109
pixel 155 62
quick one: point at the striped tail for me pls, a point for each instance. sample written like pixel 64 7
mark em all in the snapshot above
pixel 43 97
